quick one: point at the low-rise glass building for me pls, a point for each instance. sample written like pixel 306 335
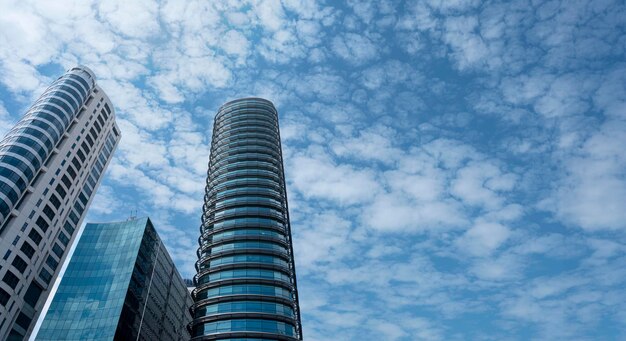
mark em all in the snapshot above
pixel 120 284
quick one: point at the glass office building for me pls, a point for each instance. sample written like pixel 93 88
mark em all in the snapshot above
pixel 51 164
pixel 246 282
pixel 120 284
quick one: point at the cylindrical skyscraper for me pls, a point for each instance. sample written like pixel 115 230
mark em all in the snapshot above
pixel 246 282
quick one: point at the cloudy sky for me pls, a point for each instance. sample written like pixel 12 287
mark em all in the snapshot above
pixel 456 168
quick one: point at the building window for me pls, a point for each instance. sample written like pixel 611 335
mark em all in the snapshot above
pixel 61 191
pixel 45 275
pixel 79 208
pixel 100 120
pixel 83 199
pixel 27 249
pixel 19 264
pixel 23 321
pixel 10 279
pixel 49 212
pixel 66 180
pixel 42 224
pixel 89 140
pixel 4 297
pixel 68 227
pixel 52 263
pixel 85 147
pixel 57 250
pixel 32 294
pixel 55 201
pixel 71 171
pixel 74 218
pixel 81 155
pixel 35 236
pixel 98 127
pixel 76 164
pixel 63 238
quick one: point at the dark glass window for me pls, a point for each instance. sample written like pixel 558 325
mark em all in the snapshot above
pixel 87 190
pixel 55 201
pixel 81 155
pixel 52 263
pixel 10 279
pixel 42 224
pixel 100 120
pixel 49 212
pixel 74 218
pixel 63 238
pixel 71 172
pixel 93 133
pixel 89 140
pixel 76 163
pixel 23 321
pixel 85 147
pixel 35 236
pixel 45 275
pixel 4 297
pixel 68 227
pixel 98 127
pixel 14 335
pixel 19 263
pixel 83 198
pixel 57 250
pixel 27 249
pixel 59 189
pixel 32 294
pixel 66 180
pixel 79 208
pixel 91 181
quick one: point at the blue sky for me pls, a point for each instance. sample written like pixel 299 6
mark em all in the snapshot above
pixel 456 169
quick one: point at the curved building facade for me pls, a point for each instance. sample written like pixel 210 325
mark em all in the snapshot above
pixel 25 148
pixel 246 282
pixel 51 164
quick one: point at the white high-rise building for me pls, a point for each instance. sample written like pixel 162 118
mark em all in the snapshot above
pixel 51 164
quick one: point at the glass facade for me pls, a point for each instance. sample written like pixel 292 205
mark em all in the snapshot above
pixel 120 284
pixel 246 282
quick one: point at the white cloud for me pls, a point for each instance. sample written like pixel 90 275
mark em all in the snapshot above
pixel 371 144
pixel 502 268
pixel 321 239
pixel 234 42
pixel 483 238
pixel 105 201
pixel 480 184
pixel 395 213
pixel 354 48
pixel 270 13
pixel 131 18
pixel 592 194
pixel 138 148
pixel 316 176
